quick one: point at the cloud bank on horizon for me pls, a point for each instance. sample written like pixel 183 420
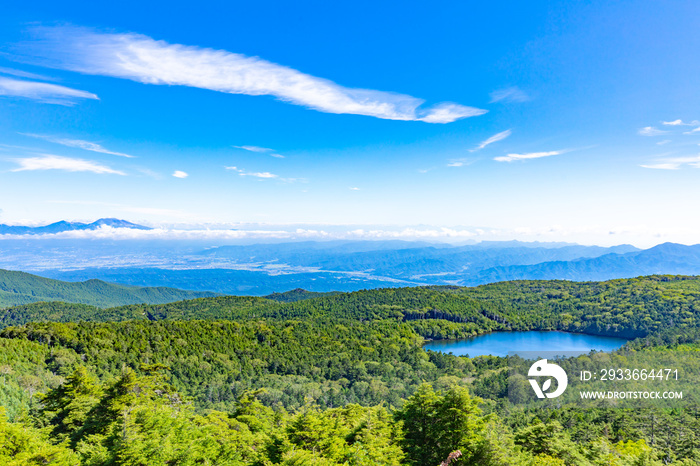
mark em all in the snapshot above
pixel 615 235
pixel 140 58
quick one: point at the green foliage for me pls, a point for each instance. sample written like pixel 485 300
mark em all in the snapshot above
pixel 628 307
pixel 28 368
pixel 22 445
pixel 298 294
pixel 215 362
pixel 438 423
pixel 330 380
pixel 67 407
pixel 349 435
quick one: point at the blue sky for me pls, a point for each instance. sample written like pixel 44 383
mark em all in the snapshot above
pixel 565 121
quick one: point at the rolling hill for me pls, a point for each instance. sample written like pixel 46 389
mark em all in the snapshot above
pixel 23 288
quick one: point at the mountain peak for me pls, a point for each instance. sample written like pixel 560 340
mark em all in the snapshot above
pixel 117 223
pixel 63 225
pixel 673 248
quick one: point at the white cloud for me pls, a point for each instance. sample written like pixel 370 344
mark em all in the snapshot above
pixel 42 92
pixel 266 175
pixel 651 131
pixel 24 74
pixel 106 232
pixel 495 138
pixel 180 174
pixel 79 143
pixel 662 166
pixel 532 155
pixel 143 59
pixel 693 131
pixel 259 174
pixel 642 235
pixel 254 148
pixel 674 163
pixel 680 123
pixel 260 150
pixel 56 162
pixel 661 143
pixel 510 94
pixel 461 162
pixel 354 189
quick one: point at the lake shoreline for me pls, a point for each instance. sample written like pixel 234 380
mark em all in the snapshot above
pixel 501 343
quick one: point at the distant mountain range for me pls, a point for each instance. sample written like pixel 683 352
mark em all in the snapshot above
pixel 666 258
pixel 414 262
pixel 62 226
pixel 320 266
pixel 22 288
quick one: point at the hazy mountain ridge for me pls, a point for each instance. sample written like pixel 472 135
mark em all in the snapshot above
pixel 409 260
pixel 59 227
pixel 18 288
pixel 666 258
pixel 339 265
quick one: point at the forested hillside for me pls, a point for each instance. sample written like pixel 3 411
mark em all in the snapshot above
pixel 298 294
pixel 22 288
pixel 329 380
pixel 626 307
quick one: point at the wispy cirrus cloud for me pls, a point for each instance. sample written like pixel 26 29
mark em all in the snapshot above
pixel 266 175
pixel 651 131
pixel 495 138
pixel 681 123
pixel 143 59
pixel 510 94
pixel 242 172
pixel 77 143
pixel 254 148
pixel 693 131
pixel 57 162
pixel 675 163
pixel 261 150
pixel 42 92
pixel 260 174
pixel 531 155
pixel 460 162
pixel 24 74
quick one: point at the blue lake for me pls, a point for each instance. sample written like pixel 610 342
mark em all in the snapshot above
pixel 501 343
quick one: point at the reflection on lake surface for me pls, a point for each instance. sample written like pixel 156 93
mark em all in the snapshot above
pixel 501 343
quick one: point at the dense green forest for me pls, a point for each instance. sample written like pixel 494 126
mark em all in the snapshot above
pixel 626 307
pixel 18 288
pixel 339 379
